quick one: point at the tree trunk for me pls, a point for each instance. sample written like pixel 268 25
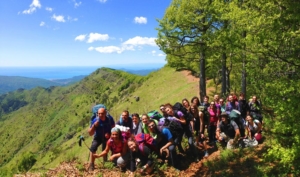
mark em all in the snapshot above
pixel 244 67
pixel 223 74
pixel 202 82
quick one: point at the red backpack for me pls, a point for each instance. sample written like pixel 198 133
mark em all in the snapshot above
pixel 145 140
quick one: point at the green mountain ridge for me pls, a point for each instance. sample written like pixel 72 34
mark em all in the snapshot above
pixel 52 118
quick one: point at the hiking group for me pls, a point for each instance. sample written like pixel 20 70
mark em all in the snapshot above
pixel 133 139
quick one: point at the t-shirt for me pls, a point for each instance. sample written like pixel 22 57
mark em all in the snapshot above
pixel 166 133
pixel 231 105
pixel 115 148
pixel 213 119
pixel 229 128
pixel 253 128
pixel 103 127
pixel 126 124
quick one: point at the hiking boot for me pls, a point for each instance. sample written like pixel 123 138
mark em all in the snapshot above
pixel 91 167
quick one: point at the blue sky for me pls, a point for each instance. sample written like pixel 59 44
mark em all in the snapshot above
pixel 80 32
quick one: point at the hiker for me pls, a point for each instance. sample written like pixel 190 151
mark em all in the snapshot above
pixel 118 146
pixel 228 131
pixel 163 111
pixel 231 104
pixel 244 106
pixel 125 120
pixel 199 128
pixel 140 154
pixel 137 126
pixel 178 114
pixel 185 103
pixel 165 142
pixel 217 102
pixel 255 109
pixel 187 106
pixel 100 127
pixel 195 100
pixel 254 128
pixel 222 105
pixel 213 120
pixel 145 119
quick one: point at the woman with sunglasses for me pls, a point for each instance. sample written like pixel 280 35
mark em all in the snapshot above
pixel 145 119
pixel 213 120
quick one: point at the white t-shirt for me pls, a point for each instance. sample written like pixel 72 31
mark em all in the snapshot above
pixel 253 128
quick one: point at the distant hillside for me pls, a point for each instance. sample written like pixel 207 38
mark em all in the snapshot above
pixel 69 80
pixel 49 120
pixel 12 83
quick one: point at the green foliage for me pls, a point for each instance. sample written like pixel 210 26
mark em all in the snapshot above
pixel 27 161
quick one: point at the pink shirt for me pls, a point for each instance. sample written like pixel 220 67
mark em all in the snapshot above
pixel 213 118
pixel 115 148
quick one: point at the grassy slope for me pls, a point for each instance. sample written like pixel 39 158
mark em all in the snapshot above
pixel 51 116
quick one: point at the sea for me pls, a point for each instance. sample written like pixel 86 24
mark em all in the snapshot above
pixel 49 73
pixel 65 72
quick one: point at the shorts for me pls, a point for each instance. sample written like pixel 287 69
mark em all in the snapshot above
pixel 96 143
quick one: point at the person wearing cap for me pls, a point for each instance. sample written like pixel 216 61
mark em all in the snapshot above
pixel 118 147
pixel 227 131
pixel 100 127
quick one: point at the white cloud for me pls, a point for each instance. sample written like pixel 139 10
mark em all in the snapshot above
pixel 80 37
pixel 153 52
pixel 32 7
pixel 58 18
pixel 42 23
pixel 109 49
pixel 49 9
pixel 140 41
pixel 77 4
pixel 97 37
pixel 72 19
pixel 161 55
pixel 91 48
pixel 140 20
pixel 102 1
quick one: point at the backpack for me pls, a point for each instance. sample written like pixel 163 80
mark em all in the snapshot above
pixel 96 108
pixel 174 127
pixel 145 140
pixel 206 115
pixel 179 107
pixel 235 116
pixel 154 115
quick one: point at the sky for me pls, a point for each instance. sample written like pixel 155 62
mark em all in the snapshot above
pixel 80 32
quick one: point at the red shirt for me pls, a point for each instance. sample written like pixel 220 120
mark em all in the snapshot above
pixel 115 148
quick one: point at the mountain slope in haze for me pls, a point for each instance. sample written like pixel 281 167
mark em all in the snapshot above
pixel 69 80
pixel 12 83
pixel 49 124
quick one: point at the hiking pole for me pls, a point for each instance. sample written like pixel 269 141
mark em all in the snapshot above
pixel 81 138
